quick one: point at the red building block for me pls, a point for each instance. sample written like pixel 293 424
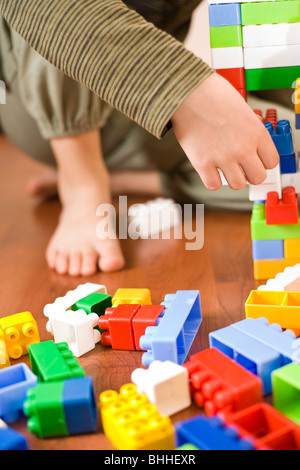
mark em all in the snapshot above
pixel 219 383
pixel 118 323
pixel 271 116
pixel 284 211
pixel 268 428
pixel 234 76
pixel 146 316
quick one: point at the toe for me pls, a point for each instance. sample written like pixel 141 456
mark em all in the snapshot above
pixel 111 258
pixel 75 264
pixel 89 263
pixel 51 258
pixel 62 263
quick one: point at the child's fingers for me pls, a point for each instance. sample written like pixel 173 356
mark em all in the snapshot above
pixel 267 152
pixel 235 176
pixel 254 170
pixel 211 178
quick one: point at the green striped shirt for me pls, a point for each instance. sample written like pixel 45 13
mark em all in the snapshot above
pixel 130 63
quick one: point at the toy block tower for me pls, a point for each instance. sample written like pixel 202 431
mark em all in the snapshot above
pixel 256 46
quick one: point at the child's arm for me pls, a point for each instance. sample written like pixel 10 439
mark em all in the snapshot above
pixel 218 130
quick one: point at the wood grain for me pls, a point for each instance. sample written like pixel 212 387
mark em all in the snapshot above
pixel 222 271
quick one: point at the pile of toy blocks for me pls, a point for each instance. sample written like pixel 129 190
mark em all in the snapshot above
pixel 228 381
pixel 256 45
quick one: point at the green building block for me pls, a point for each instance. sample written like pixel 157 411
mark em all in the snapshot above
pixel 187 447
pixel 226 36
pixel 271 78
pixel 96 303
pixel 52 362
pixel 286 391
pixel 271 12
pixel 45 411
pixel 261 231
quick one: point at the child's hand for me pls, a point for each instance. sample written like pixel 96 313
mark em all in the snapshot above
pixel 218 130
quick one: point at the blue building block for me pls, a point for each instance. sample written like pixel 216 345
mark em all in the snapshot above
pixel 225 14
pixel 80 406
pixel 174 333
pixel 210 434
pixel 288 164
pixel 267 249
pixel 14 383
pixel 282 137
pixel 256 357
pixel 297 121
pixel 12 440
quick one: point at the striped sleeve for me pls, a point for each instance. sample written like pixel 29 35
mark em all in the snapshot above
pixel 128 62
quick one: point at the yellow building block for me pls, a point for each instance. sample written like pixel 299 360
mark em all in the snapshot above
pixel 277 307
pixel 297 97
pixel 131 422
pixel 20 330
pixel 292 248
pixel 131 296
pixel 4 359
pixel 267 269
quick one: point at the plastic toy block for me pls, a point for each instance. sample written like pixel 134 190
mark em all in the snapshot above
pixel 296 97
pixel 271 56
pixel 259 192
pixel 271 78
pixel 277 307
pixel 226 36
pixel 77 329
pixel 80 405
pixel 94 303
pixel 234 76
pixel 242 92
pixel 155 217
pixel 224 15
pixel 288 164
pixel 4 359
pixel 271 35
pixel 270 12
pixel 52 362
pixel 265 269
pixel 61 408
pixel 131 422
pixel 210 434
pixel 268 429
pixel 147 315
pixel 227 57
pixel 20 330
pixel 282 281
pixel 268 249
pixel 174 334
pixel 62 304
pixel 286 390
pixel 219 383
pixel 284 211
pixel 166 386
pixel 271 116
pixel 261 231
pixel 253 355
pixel 118 323
pixel 282 137
pixel 14 383
pixel 132 296
pixel 292 249
pixel 187 446
pixel 11 439
pixel 297 121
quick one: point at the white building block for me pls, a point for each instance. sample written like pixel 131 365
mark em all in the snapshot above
pixel 272 183
pixel 271 35
pixel 291 179
pixel 273 176
pixel 227 57
pixel 154 217
pixel 75 328
pixel 3 425
pixel 272 56
pixel 282 280
pixel 166 386
pixel 62 304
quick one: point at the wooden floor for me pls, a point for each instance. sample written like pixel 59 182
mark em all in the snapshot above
pixel 221 271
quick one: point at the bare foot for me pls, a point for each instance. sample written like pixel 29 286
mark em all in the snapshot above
pixel 75 249
pixel 44 185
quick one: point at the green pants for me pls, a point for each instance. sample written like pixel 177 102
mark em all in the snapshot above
pixel 42 103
